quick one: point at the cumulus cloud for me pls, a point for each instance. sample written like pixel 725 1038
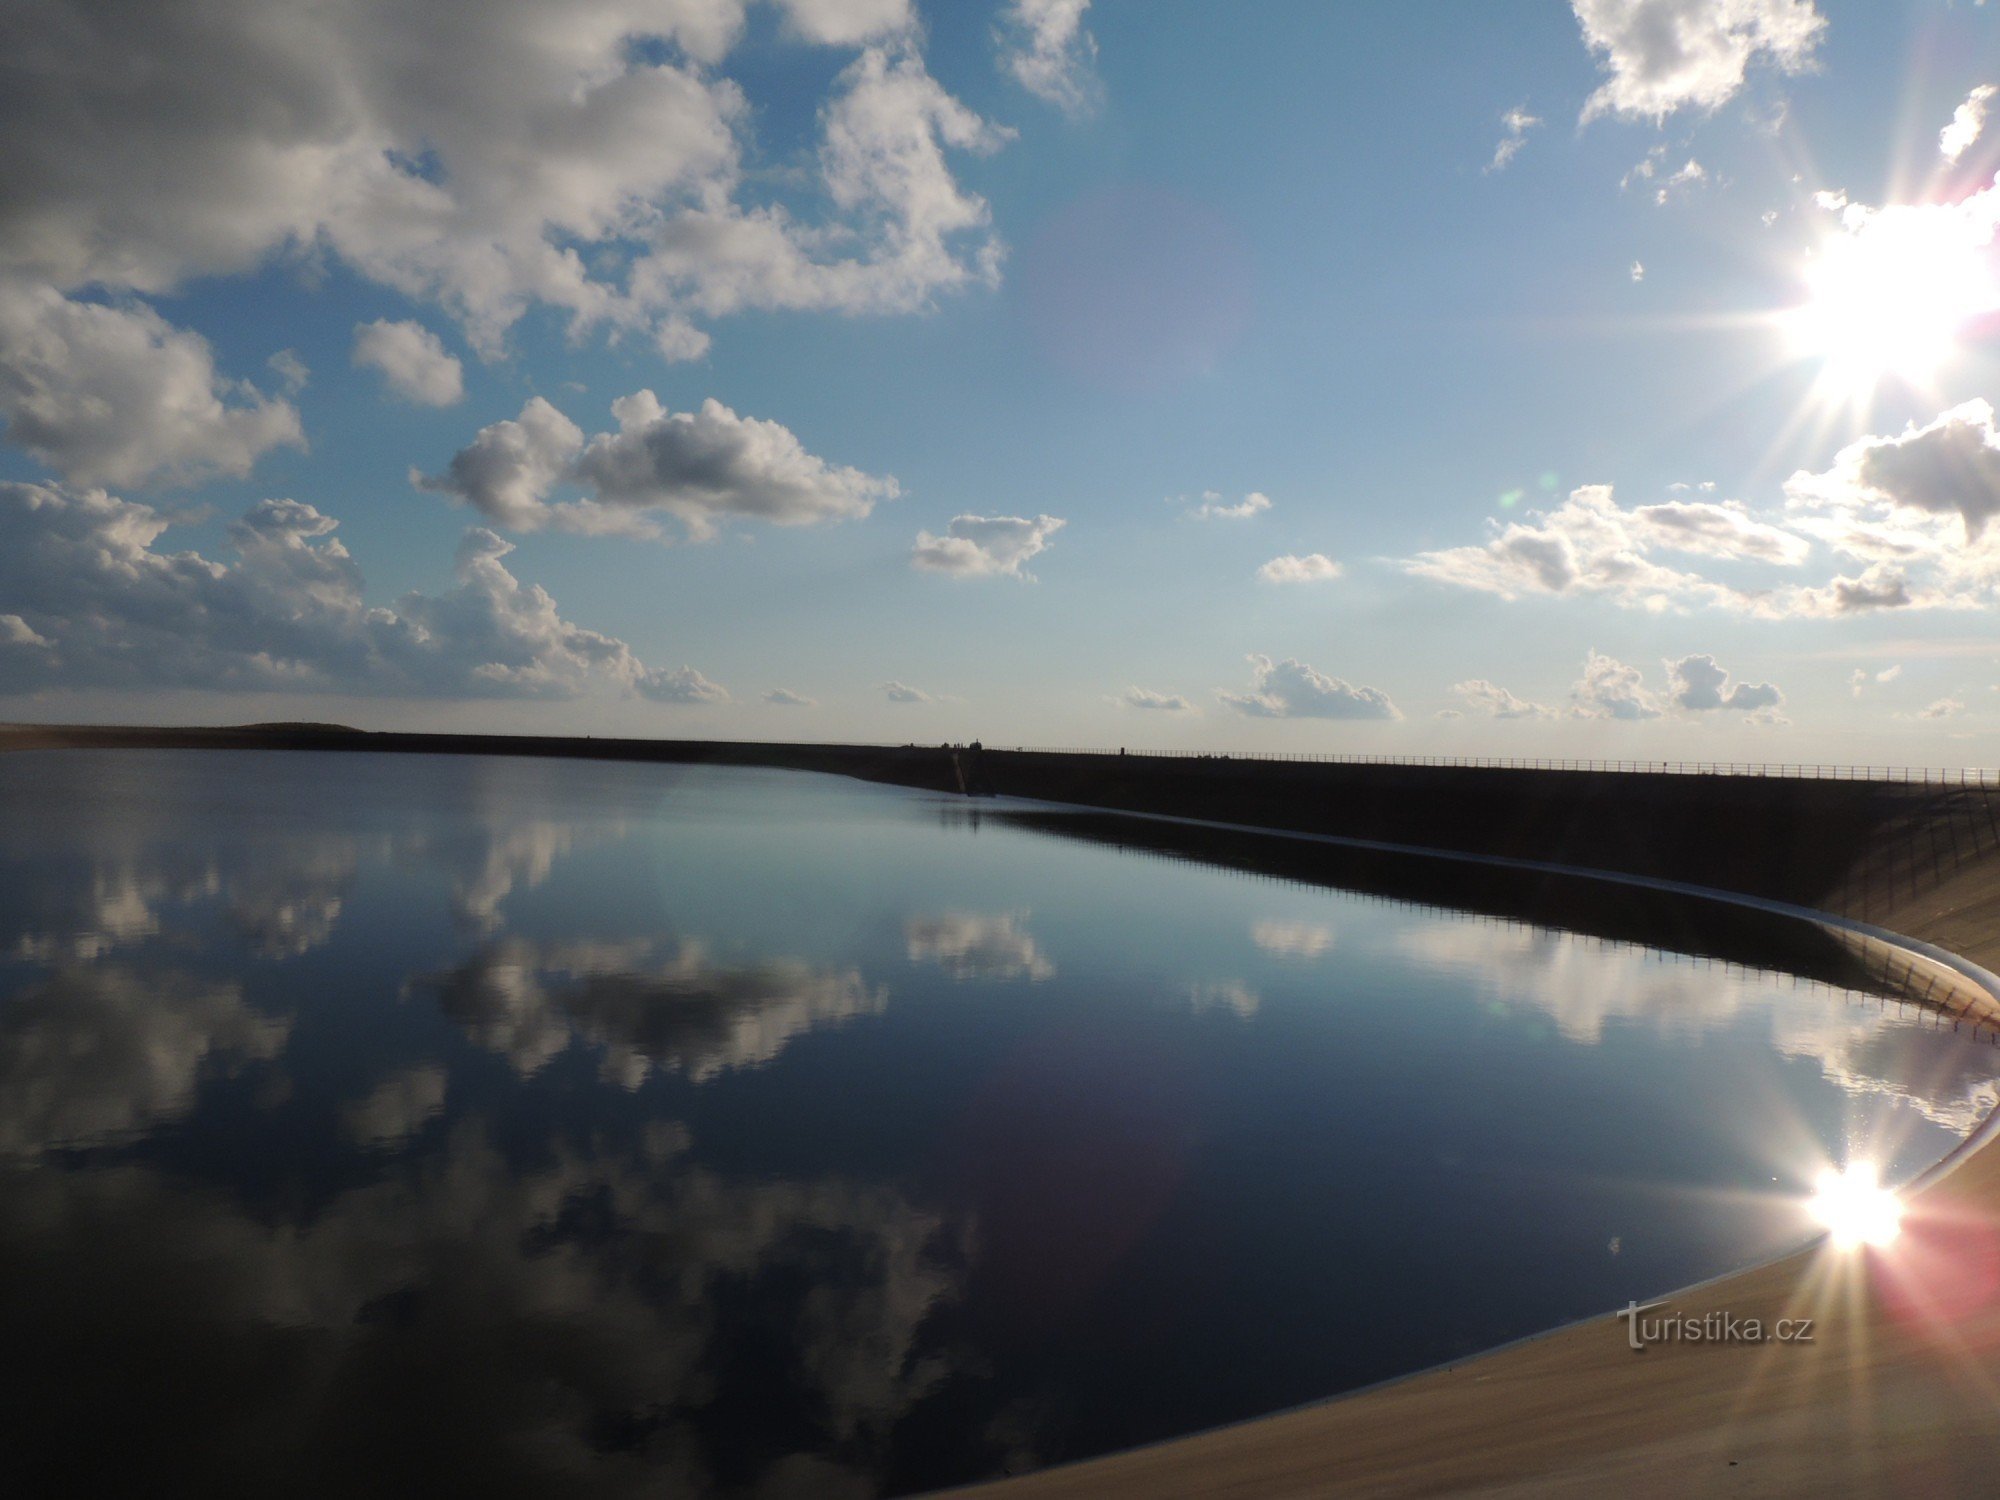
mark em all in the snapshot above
pixel 508 470
pixel 1684 179
pixel 970 946
pixel 1859 679
pixel 1716 529
pixel 1912 510
pixel 984 546
pixel 1591 545
pixel 786 698
pixel 1292 690
pixel 86 577
pixel 1172 703
pixel 1697 683
pixel 644 1012
pixel 1609 689
pixel 1943 708
pixel 1666 55
pixel 1045 49
pixel 1907 513
pixel 1214 508
pixel 1517 122
pixel 1314 567
pixel 708 466
pixel 1950 466
pixel 703 468
pixel 902 692
pixel 480 156
pixel 883 167
pixel 1496 702
pixel 15 631
pixel 290 369
pixel 1967 121
pixel 1293 939
pixel 412 360
pixel 1232 996
pixel 397 1109
pixel 115 395
pixel 683 686
pixel 847 23
pixel 91 1056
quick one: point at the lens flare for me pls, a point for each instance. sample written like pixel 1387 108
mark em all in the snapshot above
pixel 1890 294
pixel 1855 1208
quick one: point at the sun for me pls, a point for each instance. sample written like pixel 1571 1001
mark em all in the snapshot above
pixel 1888 294
pixel 1854 1207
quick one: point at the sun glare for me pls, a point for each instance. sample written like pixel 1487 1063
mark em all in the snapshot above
pixel 1855 1208
pixel 1888 298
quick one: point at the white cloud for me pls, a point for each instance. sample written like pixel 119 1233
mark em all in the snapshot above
pixel 1859 679
pixel 1909 510
pixel 1685 179
pixel 1967 121
pixel 1314 567
pixel 706 466
pixel 847 23
pixel 786 698
pixel 1172 703
pixel 1231 995
pixel 645 1011
pixel 397 1109
pixel 487 158
pixel 1951 466
pixel 902 692
pixel 1590 545
pixel 290 369
pixel 96 1055
pixel 883 167
pixel 508 470
pixel 1666 55
pixel 1292 690
pixel 1293 939
pixel 1609 689
pixel 1697 683
pixel 1716 529
pixel 1638 271
pixel 116 395
pixel 1495 701
pixel 412 360
pixel 1876 587
pixel 1517 122
pixel 85 575
pixel 1213 508
pixel 683 686
pixel 1913 510
pixel 702 468
pixel 969 946
pixel 1046 50
pixel 984 546
pixel 1943 708
pixel 15 631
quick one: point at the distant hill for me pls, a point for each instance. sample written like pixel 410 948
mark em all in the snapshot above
pixel 295 726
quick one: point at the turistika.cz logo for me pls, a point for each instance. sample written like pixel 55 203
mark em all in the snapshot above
pixel 1709 1328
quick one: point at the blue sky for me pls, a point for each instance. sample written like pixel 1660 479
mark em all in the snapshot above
pixel 1611 376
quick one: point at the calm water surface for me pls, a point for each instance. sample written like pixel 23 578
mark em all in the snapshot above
pixel 390 1125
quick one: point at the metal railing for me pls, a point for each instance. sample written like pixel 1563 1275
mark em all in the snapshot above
pixel 1796 770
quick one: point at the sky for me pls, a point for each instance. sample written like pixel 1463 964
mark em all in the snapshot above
pixel 1612 379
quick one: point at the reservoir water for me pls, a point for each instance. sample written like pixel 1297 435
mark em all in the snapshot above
pixel 417 1124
